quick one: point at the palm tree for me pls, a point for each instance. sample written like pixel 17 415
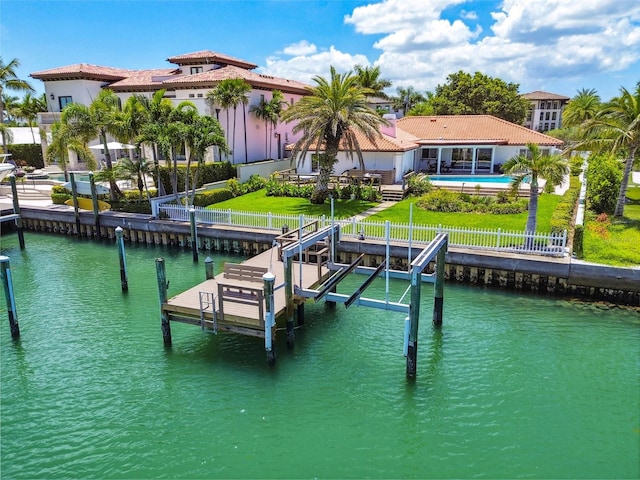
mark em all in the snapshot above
pixel 135 170
pixel 9 80
pixel 270 112
pixel 533 165
pixel 97 120
pixel 369 78
pixel 29 108
pixel 63 140
pixel 616 128
pixel 229 94
pixel 263 112
pixel 406 99
pixel 584 106
pixel 11 103
pixel 330 117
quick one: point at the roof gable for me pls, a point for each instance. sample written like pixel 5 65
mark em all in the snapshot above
pixel 207 56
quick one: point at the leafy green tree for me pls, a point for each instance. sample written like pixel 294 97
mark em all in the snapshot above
pixel 9 81
pixel 464 94
pixel 96 120
pixel 534 165
pixel 329 118
pixel 582 107
pixel 616 129
pixel 369 79
pixel 604 175
pixel 11 104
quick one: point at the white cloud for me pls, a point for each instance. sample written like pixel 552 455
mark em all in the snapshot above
pixel 301 48
pixel 528 42
pixel 304 67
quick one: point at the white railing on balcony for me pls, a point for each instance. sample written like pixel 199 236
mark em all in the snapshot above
pixel 550 244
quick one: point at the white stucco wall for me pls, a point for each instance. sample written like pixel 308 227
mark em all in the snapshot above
pixel 81 91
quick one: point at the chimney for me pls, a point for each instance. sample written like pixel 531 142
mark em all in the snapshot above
pixel 389 129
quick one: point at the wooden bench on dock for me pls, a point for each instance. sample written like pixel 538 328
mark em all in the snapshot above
pixel 242 285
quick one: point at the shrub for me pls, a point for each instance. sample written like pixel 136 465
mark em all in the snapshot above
pixel 604 176
pixel 562 217
pixel 30 154
pixel 419 185
pixel 440 200
pixel 209 173
pixel 578 241
pixel 210 197
pixel 60 198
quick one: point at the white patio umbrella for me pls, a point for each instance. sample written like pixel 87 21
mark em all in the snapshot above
pixel 113 146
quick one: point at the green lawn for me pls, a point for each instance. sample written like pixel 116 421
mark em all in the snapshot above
pixel 399 213
pixel 259 202
pixel 620 245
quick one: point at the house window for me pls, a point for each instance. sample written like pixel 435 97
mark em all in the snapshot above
pixel 555 105
pixel 541 105
pixel 553 126
pixel 548 105
pixel 200 96
pixel 553 115
pixel 541 115
pixel 429 153
pixel 191 95
pixel 196 70
pixel 547 116
pixel 483 160
pixel 64 101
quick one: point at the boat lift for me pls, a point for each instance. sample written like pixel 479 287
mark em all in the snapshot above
pixel 436 250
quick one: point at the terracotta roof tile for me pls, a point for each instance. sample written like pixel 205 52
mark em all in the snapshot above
pixel 470 129
pixel 540 95
pixel 82 70
pixel 207 56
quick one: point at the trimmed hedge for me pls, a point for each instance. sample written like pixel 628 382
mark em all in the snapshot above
pixel 562 217
pixel 27 155
pixel 440 200
pixel 210 197
pixel 209 173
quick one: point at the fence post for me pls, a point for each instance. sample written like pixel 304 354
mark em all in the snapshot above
pixel 269 221
pixel 229 216
pixel 498 239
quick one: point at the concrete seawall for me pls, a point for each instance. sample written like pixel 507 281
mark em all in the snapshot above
pixel 557 276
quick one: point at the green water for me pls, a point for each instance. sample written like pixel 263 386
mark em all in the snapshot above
pixel 514 386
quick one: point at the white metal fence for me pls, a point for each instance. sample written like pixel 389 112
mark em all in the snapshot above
pixel 550 244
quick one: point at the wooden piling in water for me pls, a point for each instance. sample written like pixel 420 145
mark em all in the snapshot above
pixel 16 210
pixel 96 210
pixel 162 292
pixel 194 234
pixel 414 316
pixel 124 282
pixel 208 268
pixel 7 282
pixel 288 293
pixel 76 210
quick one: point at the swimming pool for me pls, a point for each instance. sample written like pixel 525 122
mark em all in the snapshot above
pixel 60 177
pixel 471 178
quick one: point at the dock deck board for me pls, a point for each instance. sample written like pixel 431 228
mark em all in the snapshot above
pixel 187 303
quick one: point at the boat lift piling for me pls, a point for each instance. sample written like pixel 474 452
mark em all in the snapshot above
pixel 208 268
pixel 7 282
pixel 269 318
pixel 124 282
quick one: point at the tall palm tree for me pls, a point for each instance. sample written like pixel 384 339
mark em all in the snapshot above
pixel 369 78
pixel 534 165
pixel 270 112
pixel 135 170
pixel 9 81
pixel 616 128
pixel 406 99
pixel 97 120
pixel 584 106
pixel 229 94
pixel 330 118
pixel 63 140
pixel 11 103
pixel 29 108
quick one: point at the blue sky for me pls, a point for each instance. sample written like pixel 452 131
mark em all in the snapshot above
pixel 558 46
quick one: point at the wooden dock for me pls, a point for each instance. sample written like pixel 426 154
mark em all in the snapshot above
pixel 234 300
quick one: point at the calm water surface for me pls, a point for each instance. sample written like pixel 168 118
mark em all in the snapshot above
pixel 513 386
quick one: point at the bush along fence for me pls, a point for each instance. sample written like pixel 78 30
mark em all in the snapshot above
pixel 549 244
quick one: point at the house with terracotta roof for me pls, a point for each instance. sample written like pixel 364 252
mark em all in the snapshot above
pixel 546 110
pixel 464 144
pixel 191 78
